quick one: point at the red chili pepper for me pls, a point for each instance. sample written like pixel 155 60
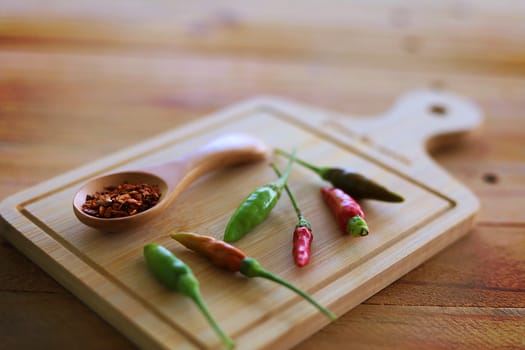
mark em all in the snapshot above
pixel 302 243
pixel 302 235
pixel 227 256
pixel 348 213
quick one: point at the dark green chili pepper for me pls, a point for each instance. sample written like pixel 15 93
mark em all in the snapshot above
pixel 177 276
pixel 356 185
pixel 256 207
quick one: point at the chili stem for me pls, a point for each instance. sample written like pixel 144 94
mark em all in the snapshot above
pixel 227 341
pixel 312 167
pixel 251 268
pixel 268 275
pixel 302 219
pixel 284 177
pixel 287 189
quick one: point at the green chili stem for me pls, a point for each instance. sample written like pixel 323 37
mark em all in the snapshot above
pixel 227 341
pixel 357 226
pixel 283 178
pixel 251 268
pixel 300 216
pixel 319 170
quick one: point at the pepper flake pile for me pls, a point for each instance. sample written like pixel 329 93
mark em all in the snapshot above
pixel 122 200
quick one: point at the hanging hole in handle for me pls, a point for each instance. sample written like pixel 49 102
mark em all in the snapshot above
pixel 438 110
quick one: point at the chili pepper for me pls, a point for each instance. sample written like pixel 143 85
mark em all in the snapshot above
pixel 176 275
pixel 302 235
pixel 256 207
pixel 227 256
pixel 348 213
pixel 355 184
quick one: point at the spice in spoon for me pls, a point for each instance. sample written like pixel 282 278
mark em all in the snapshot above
pixel 348 213
pixel 122 200
pixel 231 258
pixel 177 276
pixel 302 234
pixel 356 185
pixel 256 207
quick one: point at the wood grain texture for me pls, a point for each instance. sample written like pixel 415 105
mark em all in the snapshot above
pixel 106 270
pixel 72 74
pixel 443 303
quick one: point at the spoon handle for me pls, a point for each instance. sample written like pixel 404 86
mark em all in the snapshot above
pixel 226 150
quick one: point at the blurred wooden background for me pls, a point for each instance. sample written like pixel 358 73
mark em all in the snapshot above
pixel 82 79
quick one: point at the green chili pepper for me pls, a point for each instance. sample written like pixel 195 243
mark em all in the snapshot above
pixel 177 276
pixel 256 207
pixel 356 185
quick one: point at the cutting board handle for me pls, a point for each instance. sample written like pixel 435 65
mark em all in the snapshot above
pixel 418 120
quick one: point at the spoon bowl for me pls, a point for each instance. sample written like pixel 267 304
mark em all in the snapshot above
pixel 171 178
pixel 120 223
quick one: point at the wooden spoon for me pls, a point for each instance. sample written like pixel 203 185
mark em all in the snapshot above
pixel 171 177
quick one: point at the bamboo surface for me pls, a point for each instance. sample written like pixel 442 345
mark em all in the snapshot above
pixel 80 81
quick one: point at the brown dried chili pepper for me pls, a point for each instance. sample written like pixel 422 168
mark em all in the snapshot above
pixel 356 185
pixel 229 257
pixel 302 235
pixel 348 213
pixel 122 200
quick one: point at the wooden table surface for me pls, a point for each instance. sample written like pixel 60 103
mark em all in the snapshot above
pixel 79 80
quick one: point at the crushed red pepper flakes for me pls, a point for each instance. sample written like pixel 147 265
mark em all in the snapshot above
pixel 122 200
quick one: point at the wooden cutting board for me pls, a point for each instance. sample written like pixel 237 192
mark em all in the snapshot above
pixel 107 271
